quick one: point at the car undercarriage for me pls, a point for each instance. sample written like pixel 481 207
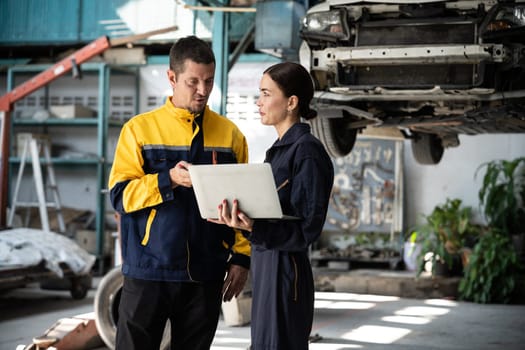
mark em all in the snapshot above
pixel 432 69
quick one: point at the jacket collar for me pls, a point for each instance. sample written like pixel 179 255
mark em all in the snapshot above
pixel 293 134
pixel 181 112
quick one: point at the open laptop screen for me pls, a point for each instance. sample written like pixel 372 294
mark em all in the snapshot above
pixel 252 185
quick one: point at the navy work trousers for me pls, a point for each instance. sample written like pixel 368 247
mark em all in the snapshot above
pixel 145 306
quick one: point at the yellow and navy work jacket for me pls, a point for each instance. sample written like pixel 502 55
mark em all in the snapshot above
pixel 163 237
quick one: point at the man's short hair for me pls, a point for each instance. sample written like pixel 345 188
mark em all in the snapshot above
pixel 192 48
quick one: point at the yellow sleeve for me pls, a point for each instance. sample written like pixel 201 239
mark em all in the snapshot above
pixel 130 188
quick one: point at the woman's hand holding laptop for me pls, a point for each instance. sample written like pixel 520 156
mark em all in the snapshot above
pixel 233 218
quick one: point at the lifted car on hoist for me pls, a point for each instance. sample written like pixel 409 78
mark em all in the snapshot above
pixel 431 70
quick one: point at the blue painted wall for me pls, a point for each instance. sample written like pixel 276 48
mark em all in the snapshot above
pixel 45 22
pixel 57 22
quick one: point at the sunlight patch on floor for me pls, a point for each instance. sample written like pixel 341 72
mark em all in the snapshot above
pixel 376 334
pixel 441 302
pixel 231 340
pixel 342 305
pixel 406 320
pixel 352 296
pixel 423 311
pixel 333 346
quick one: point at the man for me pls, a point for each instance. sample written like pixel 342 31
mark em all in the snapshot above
pixel 174 262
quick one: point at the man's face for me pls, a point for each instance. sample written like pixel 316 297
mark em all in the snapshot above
pixel 192 87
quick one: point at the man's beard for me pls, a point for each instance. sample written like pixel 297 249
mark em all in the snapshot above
pixel 196 112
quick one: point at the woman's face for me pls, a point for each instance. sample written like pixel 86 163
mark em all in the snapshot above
pixel 273 105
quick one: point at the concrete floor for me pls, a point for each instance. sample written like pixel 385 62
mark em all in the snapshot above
pixel 342 320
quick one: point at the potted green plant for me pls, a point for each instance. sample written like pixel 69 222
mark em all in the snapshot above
pixel 443 237
pixel 502 198
pixel 411 252
pixel 491 274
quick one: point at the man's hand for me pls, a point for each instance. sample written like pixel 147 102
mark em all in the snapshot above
pixel 234 282
pixel 180 175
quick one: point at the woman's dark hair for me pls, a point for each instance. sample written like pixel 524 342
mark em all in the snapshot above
pixel 293 79
pixel 192 48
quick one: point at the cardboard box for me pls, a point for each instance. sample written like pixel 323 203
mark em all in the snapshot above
pixel 71 333
pixel 71 111
pixel 87 240
pixel 23 137
pixel 238 311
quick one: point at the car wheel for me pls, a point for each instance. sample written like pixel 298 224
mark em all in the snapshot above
pixel 107 299
pixel 427 148
pixel 335 134
pixel 78 290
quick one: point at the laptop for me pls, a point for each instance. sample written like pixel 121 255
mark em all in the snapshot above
pixel 252 185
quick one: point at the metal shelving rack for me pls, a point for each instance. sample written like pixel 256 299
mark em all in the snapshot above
pixel 102 123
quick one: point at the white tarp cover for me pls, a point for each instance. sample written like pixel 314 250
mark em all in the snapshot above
pixel 26 247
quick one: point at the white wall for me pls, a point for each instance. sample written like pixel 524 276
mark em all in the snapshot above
pixel 243 90
pixel 454 177
pixel 140 17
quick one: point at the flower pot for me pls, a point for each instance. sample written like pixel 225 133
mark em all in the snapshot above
pixel 411 252
pixel 445 270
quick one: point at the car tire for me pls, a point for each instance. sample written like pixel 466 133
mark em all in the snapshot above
pixel 334 133
pixel 427 149
pixel 79 289
pixel 107 299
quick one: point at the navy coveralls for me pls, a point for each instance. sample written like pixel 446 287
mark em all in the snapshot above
pixel 283 288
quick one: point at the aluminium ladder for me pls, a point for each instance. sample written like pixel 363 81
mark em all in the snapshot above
pixel 33 145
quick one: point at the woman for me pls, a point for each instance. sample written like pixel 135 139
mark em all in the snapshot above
pixel 282 281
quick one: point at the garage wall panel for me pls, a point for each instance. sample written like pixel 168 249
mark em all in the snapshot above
pixel 34 21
